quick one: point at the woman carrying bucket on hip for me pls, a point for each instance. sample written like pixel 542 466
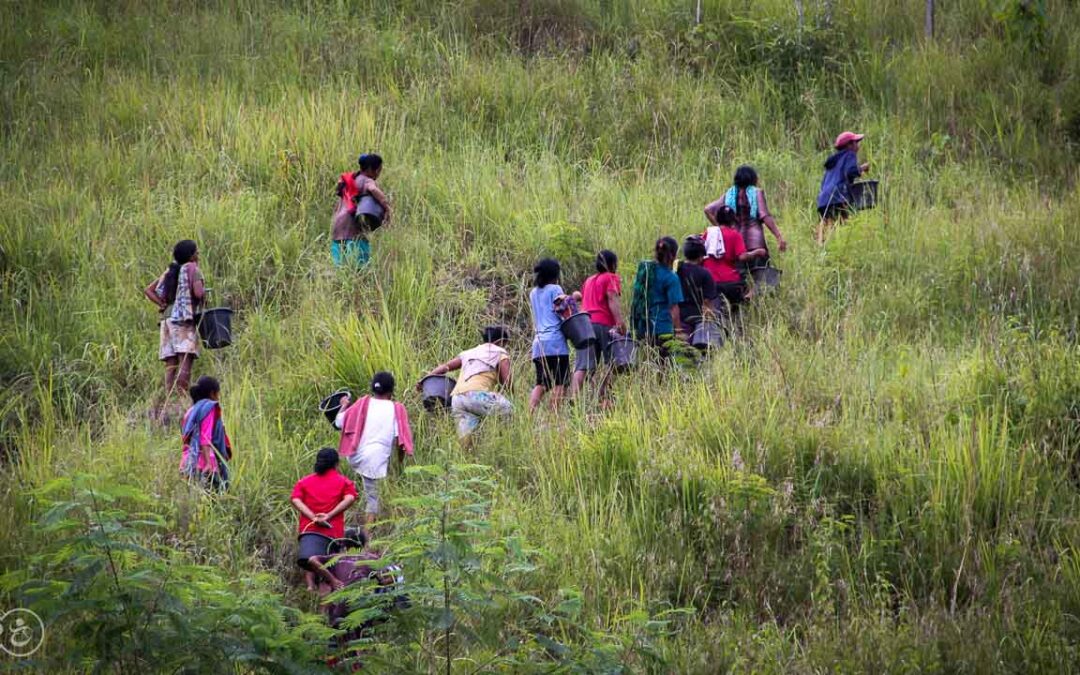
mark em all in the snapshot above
pixel 841 170
pixel 484 370
pixel 550 353
pixel 362 209
pixel 601 297
pixel 178 294
pixel 751 210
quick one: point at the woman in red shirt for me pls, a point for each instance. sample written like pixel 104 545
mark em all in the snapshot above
pixel 321 498
pixel 600 297
pixel 724 267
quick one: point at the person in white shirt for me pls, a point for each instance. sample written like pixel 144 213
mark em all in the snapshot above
pixel 377 441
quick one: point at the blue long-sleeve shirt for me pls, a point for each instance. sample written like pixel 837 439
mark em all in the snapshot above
pixel 841 169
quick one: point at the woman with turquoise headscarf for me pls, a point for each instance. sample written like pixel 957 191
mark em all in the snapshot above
pixel 748 202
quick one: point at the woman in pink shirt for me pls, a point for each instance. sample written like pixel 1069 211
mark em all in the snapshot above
pixel 601 298
pixel 207 449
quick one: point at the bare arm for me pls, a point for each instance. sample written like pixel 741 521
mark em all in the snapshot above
pixel 378 195
pixel 151 294
pixel 300 506
pixel 770 222
pixel 345 503
pixel 444 368
pixel 753 253
pixel 198 288
pixel 506 377
pixel 676 319
pixel 711 209
pixel 615 305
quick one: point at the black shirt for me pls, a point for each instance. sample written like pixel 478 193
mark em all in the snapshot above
pixel 698 289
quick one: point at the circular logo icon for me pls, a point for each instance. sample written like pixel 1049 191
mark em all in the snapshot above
pixel 21 632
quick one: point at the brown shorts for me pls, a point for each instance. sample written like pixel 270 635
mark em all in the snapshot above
pixel 178 339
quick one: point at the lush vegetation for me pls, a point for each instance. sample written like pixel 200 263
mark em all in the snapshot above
pixel 881 476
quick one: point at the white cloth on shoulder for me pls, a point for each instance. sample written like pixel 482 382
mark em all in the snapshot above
pixel 714 242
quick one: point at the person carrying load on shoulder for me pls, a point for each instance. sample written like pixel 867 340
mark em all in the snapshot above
pixel 601 297
pixel 550 352
pixel 321 498
pixel 725 251
pixel 654 310
pixel 207 449
pixel 484 369
pixel 178 294
pixel 370 430
pixel 841 170
pixel 751 210
pixel 362 209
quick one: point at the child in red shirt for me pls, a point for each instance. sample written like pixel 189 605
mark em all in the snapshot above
pixel 724 250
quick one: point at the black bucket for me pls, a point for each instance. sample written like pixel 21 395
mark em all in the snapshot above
pixel 367 206
pixel 215 327
pixel 766 278
pixel 707 335
pixel 578 330
pixel 864 194
pixel 331 405
pixel 622 351
pixel 436 389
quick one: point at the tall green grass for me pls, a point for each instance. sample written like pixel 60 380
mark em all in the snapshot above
pixel 880 475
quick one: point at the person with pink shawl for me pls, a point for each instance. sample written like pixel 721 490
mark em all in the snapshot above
pixel 370 430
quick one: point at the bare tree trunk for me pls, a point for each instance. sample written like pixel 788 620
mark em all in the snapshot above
pixel 697 14
pixel 800 13
pixel 928 26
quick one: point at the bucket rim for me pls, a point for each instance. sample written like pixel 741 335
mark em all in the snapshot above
pixel 430 376
pixel 576 315
pixel 323 404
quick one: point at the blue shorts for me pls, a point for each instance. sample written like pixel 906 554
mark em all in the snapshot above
pixel 351 252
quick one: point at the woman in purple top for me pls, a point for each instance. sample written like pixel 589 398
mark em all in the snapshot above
pixel 841 170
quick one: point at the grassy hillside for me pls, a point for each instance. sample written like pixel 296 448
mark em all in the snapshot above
pixel 881 476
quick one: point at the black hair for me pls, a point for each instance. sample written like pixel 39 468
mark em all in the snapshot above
pixel 354 537
pixel 495 334
pixel 606 261
pixel 370 162
pixel 693 248
pixel 182 254
pixel 204 387
pixel 383 383
pixel 547 272
pixel 745 176
pixel 725 215
pixel 326 459
pixel 666 249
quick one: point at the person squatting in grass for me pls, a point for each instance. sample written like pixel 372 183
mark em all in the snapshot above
pixel 747 200
pixel 370 430
pixel 724 253
pixel 206 447
pixel 841 170
pixel 362 209
pixel 321 498
pixel 178 294
pixel 550 353
pixel 601 298
pixel 654 311
pixel 484 369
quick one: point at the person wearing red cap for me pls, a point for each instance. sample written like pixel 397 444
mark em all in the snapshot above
pixel 841 170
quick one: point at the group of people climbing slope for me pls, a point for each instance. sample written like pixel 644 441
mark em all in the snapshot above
pixel 721 268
